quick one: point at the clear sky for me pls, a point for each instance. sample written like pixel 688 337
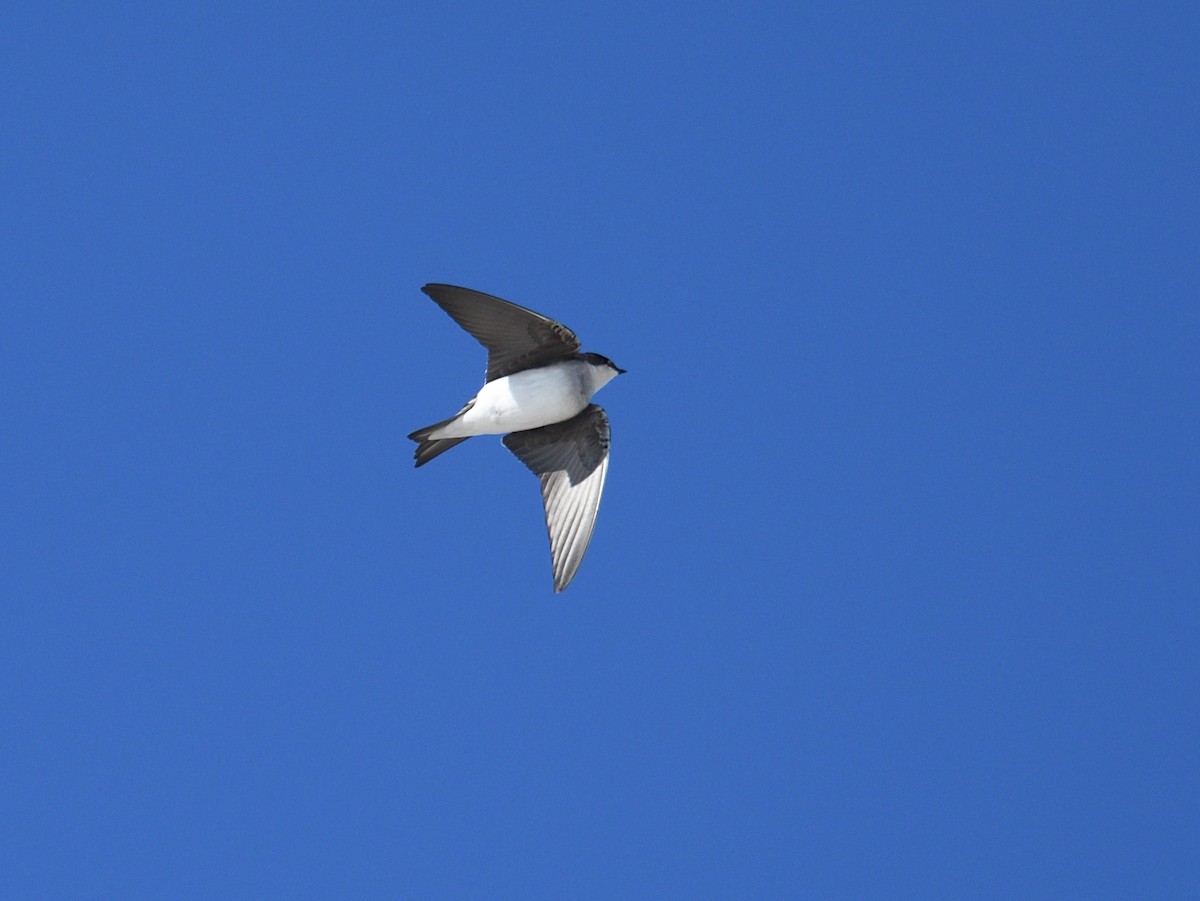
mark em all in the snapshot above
pixel 895 589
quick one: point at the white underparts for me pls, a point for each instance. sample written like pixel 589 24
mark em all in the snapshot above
pixel 529 400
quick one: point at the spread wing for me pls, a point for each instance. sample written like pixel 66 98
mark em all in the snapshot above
pixel 571 460
pixel 515 338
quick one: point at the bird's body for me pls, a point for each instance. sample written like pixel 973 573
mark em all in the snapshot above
pixel 538 394
pixel 526 400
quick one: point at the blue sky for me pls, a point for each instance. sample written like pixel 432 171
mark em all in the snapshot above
pixel 894 591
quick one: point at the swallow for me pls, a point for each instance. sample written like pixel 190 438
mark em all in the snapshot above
pixel 537 393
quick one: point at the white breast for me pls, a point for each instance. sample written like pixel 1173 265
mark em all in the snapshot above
pixel 524 400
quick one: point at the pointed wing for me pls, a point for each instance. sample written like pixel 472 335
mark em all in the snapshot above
pixel 571 459
pixel 515 338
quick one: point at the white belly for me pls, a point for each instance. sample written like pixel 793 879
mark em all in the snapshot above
pixel 525 400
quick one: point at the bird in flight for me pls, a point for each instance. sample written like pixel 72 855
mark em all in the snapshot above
pixel 537 393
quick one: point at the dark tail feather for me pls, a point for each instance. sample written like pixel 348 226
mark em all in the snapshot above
pixel 428 448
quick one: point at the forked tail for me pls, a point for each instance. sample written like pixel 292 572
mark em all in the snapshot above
pixel 428 448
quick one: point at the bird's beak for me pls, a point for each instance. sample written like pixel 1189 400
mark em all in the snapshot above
pixel 620 371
